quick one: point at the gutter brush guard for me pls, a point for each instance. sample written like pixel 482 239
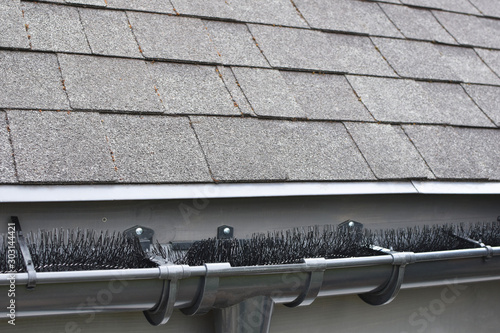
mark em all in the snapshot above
pixel 231 290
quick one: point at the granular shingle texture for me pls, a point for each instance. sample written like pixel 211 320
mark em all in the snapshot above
pixel 111 84
pixel 326 96
pixel 461 6
pixel 268 92
pixel 13 31
pixel 256 150
pixel 471 30
pixel 487 7
pixel 458 153
pixel 108 33
pixel 189 91
pixel 491 58
pixel 156 6
pixel 235 44
pixel 55 28
pixel 279 12
pixel 487 98
pixel 55 147
pixel 315 50
pixel 388 151
pixel 7 170
pixel 417 23
pixel 31 80
pixel 408 101
pixel 353 16
pixel 155 149
pixel 164 37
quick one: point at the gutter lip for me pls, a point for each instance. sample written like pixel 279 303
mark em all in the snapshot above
pixel 128 192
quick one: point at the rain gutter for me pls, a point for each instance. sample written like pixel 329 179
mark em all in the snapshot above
pixel 234 292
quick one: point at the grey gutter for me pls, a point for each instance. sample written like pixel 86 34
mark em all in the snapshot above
pixel 231 290
pixel 115 192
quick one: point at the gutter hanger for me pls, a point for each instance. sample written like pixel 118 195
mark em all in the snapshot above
pixel 233 291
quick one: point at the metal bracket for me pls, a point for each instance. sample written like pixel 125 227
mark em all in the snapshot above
pixel 225 232
pixel 351 225
pixel 144 234
pixel 489 249
pixel 28 262
pixel 388 291
pixel 161 313
pixel 313 284
pixel 208 290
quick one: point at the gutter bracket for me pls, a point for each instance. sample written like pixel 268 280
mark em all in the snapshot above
pixel 314 282
pixel 28 262
pixel 387 292
pixel 161 313
pixel 208 289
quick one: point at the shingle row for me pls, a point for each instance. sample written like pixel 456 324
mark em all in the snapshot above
pixel 156 36
pixel 75 147
pixel 424 60
pixel 92 83
pixel 351 16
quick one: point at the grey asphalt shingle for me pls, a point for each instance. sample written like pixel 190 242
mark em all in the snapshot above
pixel 488 99
pixel 453 105
pixel 347 15
pixel 279 12
pixel 156 6
pixel 54 146
pixel 409 101
pixel 164 37
pixel 31 80
pixel 108 33
pixel 423 60
pixel 471 30
pixel 415 59
pixel 268 92
pixel 7 170
pixel 326 96
pixel 235 44
pixel 315 50
pixel 192 89
pixel 111 84
pixel 234 89
pixel 90 3
pixel 55 28
pixel 388 151
pixel 155 149
pixel 293 48
pixel 491 58
pixel 394 100
pixel 461 6
pixel 458 153
pixel 417 23
pixel 244 149
pixel 487 7
pixel 12 32
pixel 467 65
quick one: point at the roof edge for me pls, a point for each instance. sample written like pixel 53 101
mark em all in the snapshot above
pixel 118 192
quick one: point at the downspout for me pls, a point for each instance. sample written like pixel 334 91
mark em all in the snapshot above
pixel 237 291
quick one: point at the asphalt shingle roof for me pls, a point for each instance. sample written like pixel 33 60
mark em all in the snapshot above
pixel 181 91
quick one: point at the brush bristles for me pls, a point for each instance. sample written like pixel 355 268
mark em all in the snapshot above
pixel 281 247
pixel 76 250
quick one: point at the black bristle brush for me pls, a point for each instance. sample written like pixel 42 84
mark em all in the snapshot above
pixel 71 250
